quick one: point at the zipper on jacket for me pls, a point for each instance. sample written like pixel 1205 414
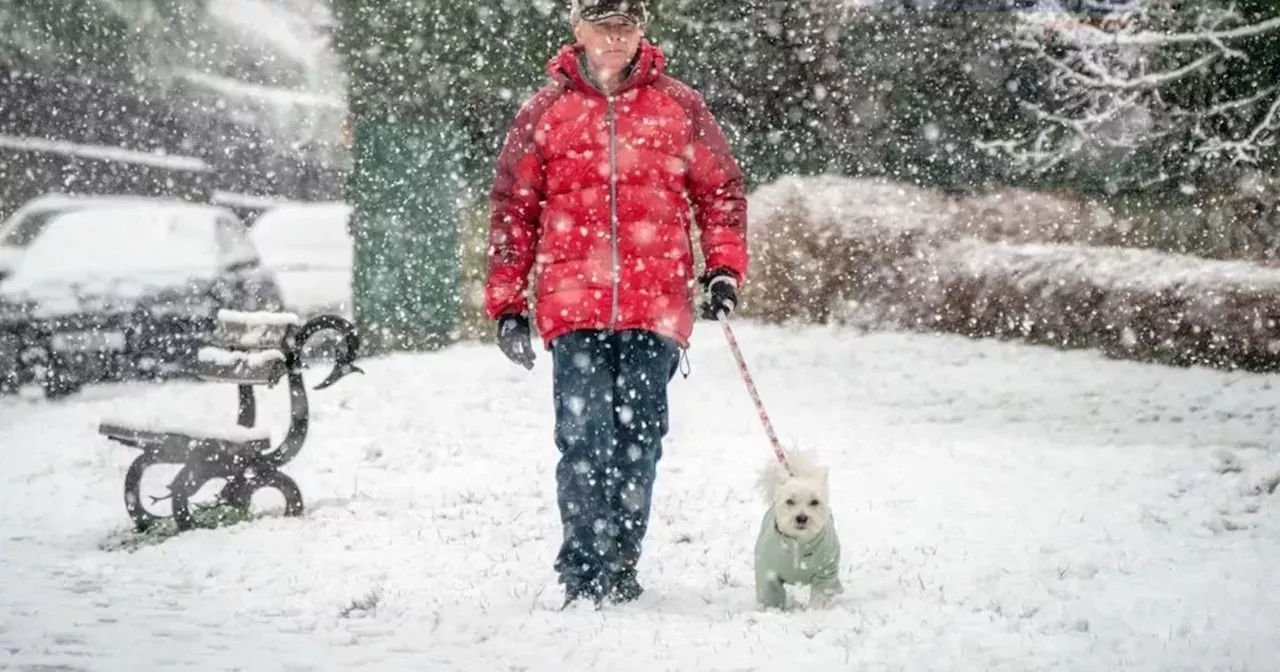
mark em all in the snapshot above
pixel 613 211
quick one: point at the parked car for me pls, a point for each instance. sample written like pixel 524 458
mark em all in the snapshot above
pixel 20 228
pixel 115 292
pixel 308 249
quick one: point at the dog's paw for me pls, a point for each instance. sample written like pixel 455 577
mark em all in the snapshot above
pixel 771 602
pixel 821 601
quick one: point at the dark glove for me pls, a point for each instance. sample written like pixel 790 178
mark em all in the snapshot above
pixel 514 339
pixel 722 289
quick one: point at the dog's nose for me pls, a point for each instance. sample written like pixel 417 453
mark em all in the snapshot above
pixel 802 519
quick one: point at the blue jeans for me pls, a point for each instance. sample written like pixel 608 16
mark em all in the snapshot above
pixel 610 392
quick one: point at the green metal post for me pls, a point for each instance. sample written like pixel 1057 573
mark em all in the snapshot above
pixel 403 192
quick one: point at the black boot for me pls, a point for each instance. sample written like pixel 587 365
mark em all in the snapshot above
pixel 626 587
pixel 594 590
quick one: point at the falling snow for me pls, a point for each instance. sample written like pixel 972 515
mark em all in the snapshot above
pixel 1070 183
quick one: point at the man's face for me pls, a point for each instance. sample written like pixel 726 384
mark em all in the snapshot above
pixel 609 43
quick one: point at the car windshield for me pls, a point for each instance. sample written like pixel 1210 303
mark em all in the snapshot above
pixel 122 242
pixel 29 227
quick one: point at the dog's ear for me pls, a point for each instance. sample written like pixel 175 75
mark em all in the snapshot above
pixel 825 473
pixel 772 476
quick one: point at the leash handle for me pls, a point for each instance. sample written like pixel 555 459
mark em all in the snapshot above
pixel 755 395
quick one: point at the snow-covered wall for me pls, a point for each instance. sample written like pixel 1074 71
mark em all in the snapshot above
pixel 1019 265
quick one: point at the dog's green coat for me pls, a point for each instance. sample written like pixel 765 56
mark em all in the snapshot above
pixel 781 560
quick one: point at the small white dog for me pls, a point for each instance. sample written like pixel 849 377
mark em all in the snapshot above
pixel 797 542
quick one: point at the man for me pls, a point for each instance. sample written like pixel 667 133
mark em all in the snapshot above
pixel 593 192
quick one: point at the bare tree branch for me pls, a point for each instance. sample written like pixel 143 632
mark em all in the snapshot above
pixel 1229 106
pixel 1087 35
pixel 1042 155
pixel 1109 81
pixel 1156 39
pixel 1106 90
pixel 1247 150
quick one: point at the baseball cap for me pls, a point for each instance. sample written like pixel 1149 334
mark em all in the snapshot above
pixel 599 10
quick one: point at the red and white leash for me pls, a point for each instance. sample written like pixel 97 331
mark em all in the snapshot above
pixel 755 395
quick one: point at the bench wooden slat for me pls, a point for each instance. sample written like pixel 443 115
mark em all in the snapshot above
pixel 175 441
pixel 262 367
pixel 252 330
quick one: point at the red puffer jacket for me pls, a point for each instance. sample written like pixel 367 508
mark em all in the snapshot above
pixel 593 194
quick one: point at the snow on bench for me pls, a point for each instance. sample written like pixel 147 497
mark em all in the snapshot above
pixel 254 359
pixel 258 317
pixel 258 330
pixel 238 366
pixel 175 440
pixel 230 433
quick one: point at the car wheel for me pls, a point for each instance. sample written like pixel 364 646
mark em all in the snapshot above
pixel 10 364
pixel 58 383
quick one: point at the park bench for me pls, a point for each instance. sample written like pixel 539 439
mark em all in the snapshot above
pixel 247 349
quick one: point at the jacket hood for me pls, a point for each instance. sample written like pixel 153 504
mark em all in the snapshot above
pixel 565 67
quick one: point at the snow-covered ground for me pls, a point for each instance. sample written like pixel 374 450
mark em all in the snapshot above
pixel 1003 507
